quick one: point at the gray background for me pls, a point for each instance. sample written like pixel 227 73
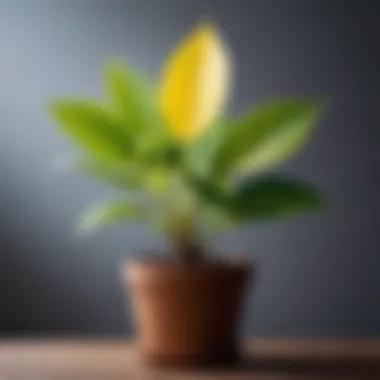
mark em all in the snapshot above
pixel 319 274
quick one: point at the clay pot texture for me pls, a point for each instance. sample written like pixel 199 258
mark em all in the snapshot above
pixel 187 314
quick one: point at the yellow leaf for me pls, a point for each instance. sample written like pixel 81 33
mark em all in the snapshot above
pixel 195 83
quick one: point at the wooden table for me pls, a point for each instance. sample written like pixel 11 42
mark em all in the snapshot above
pixel 116 360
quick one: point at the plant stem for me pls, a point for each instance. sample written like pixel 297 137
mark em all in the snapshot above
pixel 181 233
pixel 187 252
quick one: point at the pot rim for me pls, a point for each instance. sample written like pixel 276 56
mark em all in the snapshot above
pixel 157 267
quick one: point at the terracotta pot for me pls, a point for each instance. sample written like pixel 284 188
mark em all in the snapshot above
pixel 187 314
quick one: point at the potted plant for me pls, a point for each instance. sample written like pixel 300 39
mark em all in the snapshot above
pixel 189 172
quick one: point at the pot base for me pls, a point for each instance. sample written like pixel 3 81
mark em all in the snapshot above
pixel 225 359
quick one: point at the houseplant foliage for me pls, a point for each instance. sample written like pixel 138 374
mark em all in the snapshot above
pixel 183 166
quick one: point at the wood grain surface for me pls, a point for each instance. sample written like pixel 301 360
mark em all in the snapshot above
pixel 115 360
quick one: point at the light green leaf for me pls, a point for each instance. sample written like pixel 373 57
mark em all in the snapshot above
pixel 122 175
pixel 131 96
pixel 108 214
pixel 135 101
pixel 266 136
pixel 90 126
pixel 273 197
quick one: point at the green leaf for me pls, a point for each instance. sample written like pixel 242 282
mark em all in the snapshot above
pixel 122 175
pixel 131 96
pixel 266 136
pixel 208 191
pixel 108 214
pixel 256 199
pixel 214 221
pixel 163 155
pixel 93 128
pixel 200 155
pixel 134 99
pixel 273 197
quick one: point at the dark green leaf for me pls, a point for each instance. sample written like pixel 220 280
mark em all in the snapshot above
pixel 200 155
pixel 208 191
pixel 165 155
pixel 274 196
